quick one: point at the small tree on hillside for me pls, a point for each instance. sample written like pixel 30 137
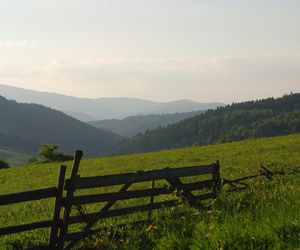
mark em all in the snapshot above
pixel 48 152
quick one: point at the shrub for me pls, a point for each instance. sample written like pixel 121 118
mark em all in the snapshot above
pixel 49 153
pixel 4 164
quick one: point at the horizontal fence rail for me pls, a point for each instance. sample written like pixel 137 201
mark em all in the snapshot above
pixel 123 211
pixel 28 196
pixel 119 179
pixel 25 227
pixel 93 198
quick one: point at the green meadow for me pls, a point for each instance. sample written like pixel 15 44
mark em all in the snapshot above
pixel 264 216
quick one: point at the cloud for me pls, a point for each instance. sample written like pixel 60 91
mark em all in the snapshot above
pixel 220 78
pixel 15 70
pixel 18 43
pixel 257 70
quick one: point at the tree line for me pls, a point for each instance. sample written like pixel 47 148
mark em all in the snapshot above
pixel 238 121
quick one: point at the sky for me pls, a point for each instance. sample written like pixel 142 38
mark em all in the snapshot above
pixel 163 50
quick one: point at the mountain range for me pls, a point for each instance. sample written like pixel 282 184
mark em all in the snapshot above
pixel 86 109
pixel 25 127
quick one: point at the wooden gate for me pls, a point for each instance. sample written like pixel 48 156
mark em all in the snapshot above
pixel 171 176
pixel 111 189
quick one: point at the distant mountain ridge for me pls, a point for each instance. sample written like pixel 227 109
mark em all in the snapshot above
pixel 86 109
pixel 239 121
pixel 24 127
pixel 132 125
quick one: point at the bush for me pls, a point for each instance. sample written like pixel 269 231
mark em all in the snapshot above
pixel 4 164
pixel 49 153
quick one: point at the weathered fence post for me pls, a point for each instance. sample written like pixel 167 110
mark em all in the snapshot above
pixel 219 179
pixel 57 208
pixel 70 193
pixel 151 199
pixel 216 178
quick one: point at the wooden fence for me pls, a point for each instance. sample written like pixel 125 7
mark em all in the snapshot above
pixel 66 198
pixel 39 194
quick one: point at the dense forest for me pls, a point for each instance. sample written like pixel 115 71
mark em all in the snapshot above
pixel 238 121
pixel 132 125
pixel 24 127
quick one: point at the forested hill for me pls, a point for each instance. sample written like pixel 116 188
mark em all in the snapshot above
pixel 253 119
pixel 24 127
pixel 132 125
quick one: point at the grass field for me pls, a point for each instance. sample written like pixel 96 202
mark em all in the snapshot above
pixel 265 216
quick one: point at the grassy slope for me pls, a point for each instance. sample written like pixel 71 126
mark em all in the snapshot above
pixel 259 212
pixel 14 158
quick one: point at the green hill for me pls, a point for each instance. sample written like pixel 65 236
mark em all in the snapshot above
pixel 265 216
pixel 13 157
pixel 253 119
pixel 132 125
pixel 24 127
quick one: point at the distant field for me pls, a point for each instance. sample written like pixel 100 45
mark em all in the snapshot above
pixel 13 158
pixel 264 217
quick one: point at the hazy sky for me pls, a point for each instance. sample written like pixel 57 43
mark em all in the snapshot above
pixel 205 50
